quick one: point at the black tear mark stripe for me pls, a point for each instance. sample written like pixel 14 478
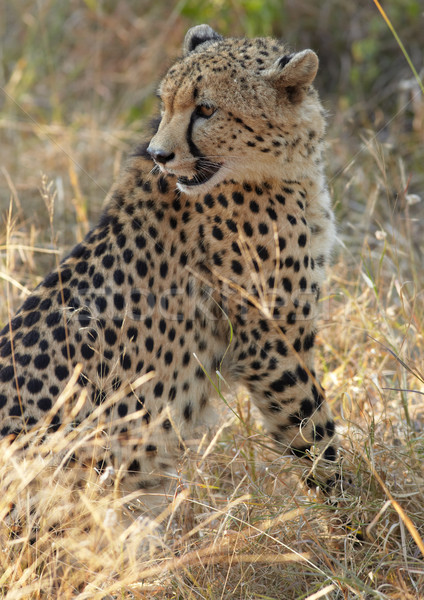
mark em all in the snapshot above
pixel 192 146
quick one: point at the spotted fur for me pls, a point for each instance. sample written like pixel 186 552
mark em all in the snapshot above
pixel 232 225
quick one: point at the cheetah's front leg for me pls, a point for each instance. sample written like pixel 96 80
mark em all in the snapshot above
pixel 275 364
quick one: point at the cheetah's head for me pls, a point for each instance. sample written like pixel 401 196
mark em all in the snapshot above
pixel 237 109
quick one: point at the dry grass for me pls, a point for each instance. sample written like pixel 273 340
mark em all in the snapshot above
pixel 79 82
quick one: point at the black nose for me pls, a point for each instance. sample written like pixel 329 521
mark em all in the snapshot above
pixel 160 156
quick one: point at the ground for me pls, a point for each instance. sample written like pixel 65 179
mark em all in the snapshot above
pixel 248 526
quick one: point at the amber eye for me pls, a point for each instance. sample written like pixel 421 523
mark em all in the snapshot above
pixel 205 110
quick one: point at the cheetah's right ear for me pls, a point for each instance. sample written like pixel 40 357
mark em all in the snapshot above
pixel 199 35
pixel 293 72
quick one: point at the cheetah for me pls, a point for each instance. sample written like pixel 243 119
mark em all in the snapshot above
pixel 209 257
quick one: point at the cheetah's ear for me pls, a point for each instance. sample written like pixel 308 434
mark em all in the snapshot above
pixel 199 35
pixel 293 72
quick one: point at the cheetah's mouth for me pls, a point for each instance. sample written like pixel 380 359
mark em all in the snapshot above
pixel 205 170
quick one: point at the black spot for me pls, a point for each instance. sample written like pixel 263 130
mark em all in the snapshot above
pixel 167 425
pixel 291 318
pixel 51 280
pixel 248 229
pixel 84 318
pixel 287 379
pixel 236 267
pixel 68 351
pixel 301 240
pixel 61 372
pixel 136 226
pixel 263 228
pixel 140 242
pixel 110 337
pixel 125 362
pixel 281 243
pixel 318 398
pixel 309 340
pixel 330 453
pixel 132 334
pixel 31 303
pixel 272 214
pixel 163 270
pixel 41 361
pixel 330 428
pixel 108 260
pixel 231 225
pixel 31 338
pixel 6 349
pixel 238 197
pixel 158 390
pixel 302 374
pixel 168 357
pixel 119 301
pixel 235 248
pixel 318 432
pixel 100 303
pixel 200 373
pixel 222 200
pixel 6 374
pixel 134 467
pixel 98 280
pixel 14 324
pixel 15 411
pixel 254 206
pixel 281 348
pixel 141 267
pixel 122 409
pixel 209 201
pixel 188 411
pixel 98 396
pixel 59 334
pixel 44 404
pixel 34 385
pixel 287 285
pixel 262 252
pixel 53 319
pixel 217 260
pixel 23 359
pixel 149 343
pixel 118 277
pixel 217 233
pixel 81 267
pixel 103 369
pixel 121 240
pixel 100 249
pixel 291 219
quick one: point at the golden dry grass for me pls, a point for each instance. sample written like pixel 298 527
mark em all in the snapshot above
pixel 78 84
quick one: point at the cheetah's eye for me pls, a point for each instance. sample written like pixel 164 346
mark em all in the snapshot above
pixel 204 110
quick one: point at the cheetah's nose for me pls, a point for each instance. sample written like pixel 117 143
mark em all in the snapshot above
pixel 160 156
